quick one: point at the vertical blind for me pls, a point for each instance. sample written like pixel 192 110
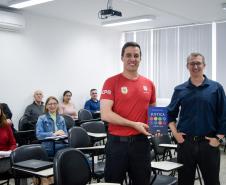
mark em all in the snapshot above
pixel 164 53
pixel 221 53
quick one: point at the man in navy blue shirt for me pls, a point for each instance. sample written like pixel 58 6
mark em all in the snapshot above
pixel 93 104
pixel 200 106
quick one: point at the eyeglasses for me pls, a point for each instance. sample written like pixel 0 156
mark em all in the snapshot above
pixel 193 64
pixel 94 93
pixel 52 104
pixel 38 94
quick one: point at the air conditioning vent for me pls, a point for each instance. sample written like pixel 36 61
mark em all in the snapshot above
pixel 11 21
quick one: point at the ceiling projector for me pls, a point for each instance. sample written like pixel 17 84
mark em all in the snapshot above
pixel 109 12
pixel 104 14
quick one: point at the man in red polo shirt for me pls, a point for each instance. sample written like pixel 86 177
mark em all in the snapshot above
pixel 124 103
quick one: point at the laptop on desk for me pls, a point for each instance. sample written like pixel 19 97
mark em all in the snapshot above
pixel 34 164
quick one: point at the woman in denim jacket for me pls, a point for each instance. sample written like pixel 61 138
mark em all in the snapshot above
pixel 51 124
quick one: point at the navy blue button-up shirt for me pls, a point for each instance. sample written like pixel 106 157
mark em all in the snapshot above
pixel 202 109
pixel 92 105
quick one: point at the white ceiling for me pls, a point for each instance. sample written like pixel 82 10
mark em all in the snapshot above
pixel 167 12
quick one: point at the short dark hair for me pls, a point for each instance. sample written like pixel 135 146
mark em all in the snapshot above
pixel 91 90
pixel 195 54
pixel 129 44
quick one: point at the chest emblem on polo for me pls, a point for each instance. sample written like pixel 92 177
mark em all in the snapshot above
pixel 124 90
pixel 145 88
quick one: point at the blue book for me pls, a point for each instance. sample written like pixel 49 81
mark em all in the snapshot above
pixel 158 120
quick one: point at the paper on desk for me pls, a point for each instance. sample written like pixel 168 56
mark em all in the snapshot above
pixel 5 153
pixel 56 137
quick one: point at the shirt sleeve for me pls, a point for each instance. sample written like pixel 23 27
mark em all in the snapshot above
pixel 108 90
pixel 87 105
pixel 173 108
pixel 12 141
pixel 153 96
pixel 221 111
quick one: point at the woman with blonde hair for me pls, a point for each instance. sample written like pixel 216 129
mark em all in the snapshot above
pixel 51 124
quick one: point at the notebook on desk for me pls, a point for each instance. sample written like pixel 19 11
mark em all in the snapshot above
pixel 33 164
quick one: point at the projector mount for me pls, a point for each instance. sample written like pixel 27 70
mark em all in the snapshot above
pixel 104 14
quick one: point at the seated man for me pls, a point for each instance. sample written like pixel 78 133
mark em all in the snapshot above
pixel 34 110
pixel 93 104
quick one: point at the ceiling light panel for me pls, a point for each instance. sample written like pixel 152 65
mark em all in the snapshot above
pixel 22 4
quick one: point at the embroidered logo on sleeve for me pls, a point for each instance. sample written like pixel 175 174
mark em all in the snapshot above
pixel 106 91
pixel 124 90
pixel 145 88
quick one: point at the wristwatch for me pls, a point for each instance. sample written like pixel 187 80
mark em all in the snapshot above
pixel 221 140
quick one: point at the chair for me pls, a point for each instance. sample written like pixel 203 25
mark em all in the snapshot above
pixel 94 127
pixel 85 116
pixel 26 134
pixel 161 153
pixel 25 125
pixel 25 137
pixel 79 138
pixel 26 152
pixel 157 179
pixel 71 167
pixel 163 180
pixel 69 121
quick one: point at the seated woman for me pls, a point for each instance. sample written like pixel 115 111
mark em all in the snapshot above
pixel 51 124
pixel 8 114
pixel 7 141
pixel 66 107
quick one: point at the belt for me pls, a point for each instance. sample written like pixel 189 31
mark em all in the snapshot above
pixel 129 139
pixel 194 138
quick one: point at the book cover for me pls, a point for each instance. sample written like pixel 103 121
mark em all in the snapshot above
pixel 157 120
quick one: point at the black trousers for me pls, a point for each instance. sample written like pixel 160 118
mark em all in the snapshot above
pixel 192 153
pixel 4 164
pixel 130 156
